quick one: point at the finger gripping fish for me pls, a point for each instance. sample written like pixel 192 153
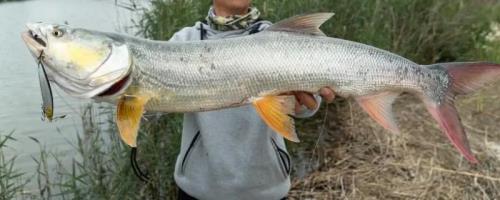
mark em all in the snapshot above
pixel 292 55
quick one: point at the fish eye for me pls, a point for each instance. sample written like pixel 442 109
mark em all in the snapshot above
pixel 57 33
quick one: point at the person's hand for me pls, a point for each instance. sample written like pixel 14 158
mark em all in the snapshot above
pixel 308 100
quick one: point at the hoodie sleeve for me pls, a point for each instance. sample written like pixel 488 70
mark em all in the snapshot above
pixel 187 33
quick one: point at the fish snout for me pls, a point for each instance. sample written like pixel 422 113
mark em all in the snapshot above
pixel 38 29
pixel 33 26
pixel 35 38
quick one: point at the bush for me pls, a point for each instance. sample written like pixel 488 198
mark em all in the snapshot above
pixel 425 31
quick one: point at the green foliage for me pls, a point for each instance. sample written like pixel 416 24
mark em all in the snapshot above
pixel 10 185
pixel 160 145
pixel 425 31
pixel 167 17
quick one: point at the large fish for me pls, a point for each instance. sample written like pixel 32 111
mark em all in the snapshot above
pixel 292 55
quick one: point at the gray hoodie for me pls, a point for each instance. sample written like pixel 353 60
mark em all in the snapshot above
pixel 231 153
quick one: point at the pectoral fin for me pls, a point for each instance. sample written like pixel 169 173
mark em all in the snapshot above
pixel 276 111
pixel 379 107
pixel 128 117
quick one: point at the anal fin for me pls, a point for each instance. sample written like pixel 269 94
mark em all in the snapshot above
pixel 379 107
pixel 276 111
pixel 128 117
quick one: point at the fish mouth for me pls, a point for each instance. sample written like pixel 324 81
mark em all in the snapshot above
pixel 34 39
pixel 37 38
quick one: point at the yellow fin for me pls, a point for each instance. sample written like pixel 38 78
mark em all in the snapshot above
pixel 275 111
pixel 128 117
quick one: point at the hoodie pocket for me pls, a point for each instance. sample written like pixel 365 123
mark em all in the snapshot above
pixel 283 159
pixel 185 158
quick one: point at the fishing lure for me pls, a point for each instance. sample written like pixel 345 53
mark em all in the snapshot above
pixel 45 89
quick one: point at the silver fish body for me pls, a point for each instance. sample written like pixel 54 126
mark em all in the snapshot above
pixel 214 74
pixel 291 55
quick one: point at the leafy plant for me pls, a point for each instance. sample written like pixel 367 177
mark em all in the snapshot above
pixel 10 178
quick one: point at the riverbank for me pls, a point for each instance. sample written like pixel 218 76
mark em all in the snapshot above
pixel 360 160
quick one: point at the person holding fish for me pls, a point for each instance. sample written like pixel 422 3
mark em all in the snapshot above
pixel 239 79
pixel 232 153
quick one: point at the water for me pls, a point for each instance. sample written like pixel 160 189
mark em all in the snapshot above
pixel 20 98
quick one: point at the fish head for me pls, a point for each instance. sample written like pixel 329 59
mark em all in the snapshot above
pixel 82 62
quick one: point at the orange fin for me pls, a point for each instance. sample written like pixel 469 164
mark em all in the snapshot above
pixel 128 117
pixel 379 107
pixel 276 111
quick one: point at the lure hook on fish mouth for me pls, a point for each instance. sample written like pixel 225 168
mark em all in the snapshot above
pixel 40 58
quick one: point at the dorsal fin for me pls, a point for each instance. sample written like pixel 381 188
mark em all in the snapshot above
pixel 306 24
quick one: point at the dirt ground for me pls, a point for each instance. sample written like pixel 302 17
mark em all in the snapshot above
pixel 356 159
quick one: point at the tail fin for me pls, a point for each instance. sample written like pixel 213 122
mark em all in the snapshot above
pixel 468 77
pixel 464 78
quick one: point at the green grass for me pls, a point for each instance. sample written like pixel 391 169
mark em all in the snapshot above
pixel 425 31
pixel 11 184
pixel 167 17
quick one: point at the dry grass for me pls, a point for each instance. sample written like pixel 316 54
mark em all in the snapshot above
pixel 357 159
